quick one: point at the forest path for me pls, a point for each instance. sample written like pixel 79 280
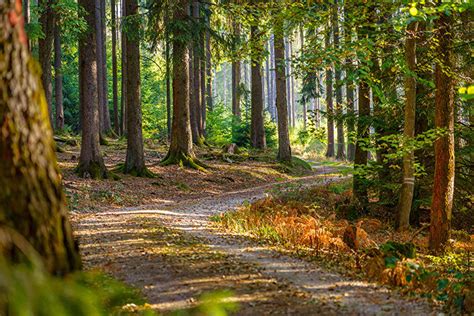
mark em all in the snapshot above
pixel 173 254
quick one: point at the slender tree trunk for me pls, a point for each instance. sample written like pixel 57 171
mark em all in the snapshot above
pixel 135 160
pixel 123 99
pixel 209 102
pixel 100 69
pixel 45 48
pixel 341 153
pixel 305 105
pixel 329 104
pixel 32 203
pixel 91 163
pixel 113 8
pixel 292 85
pixel 408 185
pixel 168 81
pixel 203 89
pixel 236 80
pixel 443 186
pixel 196 118
pixel 58 77
pixel 284 149
pixel 105 86
pixel 349 86
pixel 257 131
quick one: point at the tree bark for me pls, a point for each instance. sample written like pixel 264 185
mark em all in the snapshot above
pixel 257 131
pixel 443 186
pixel 329 100
pixel 305 105
pixel 209 101
pixel 135 160
pixel 181 147
pixel 105 86
pixel 58 77
pixel 341 153
pixel 284 149
pixel 408 185
pixel 113 9
pixel 45 48
pixel 168 80
pixel 91 163
pixel 236 71
pixel 32 203
pixel 195 102
pixel 100 69
pixel 123 99
pixel 349 86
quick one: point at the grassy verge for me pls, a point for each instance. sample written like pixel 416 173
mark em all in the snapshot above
pixel 314 224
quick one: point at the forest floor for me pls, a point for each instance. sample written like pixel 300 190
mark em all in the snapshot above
pixel 158 235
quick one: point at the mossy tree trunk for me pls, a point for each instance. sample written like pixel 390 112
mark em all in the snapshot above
pixel 443 185
pixel 135 160
pixel 91 163
pixel 32 203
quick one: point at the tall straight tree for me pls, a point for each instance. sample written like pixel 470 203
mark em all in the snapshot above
pixel 443 185
pixel 257 129
pixel 329 99
pixel 195 98
pixel 45 48
pixel 58 76
pixel 105 86
pixel 349 69
pixel 284 149
pixel 91 163
pixel 236 73
pixel 135 159
pixel 113 9
pixel 408 185
pixel 181 147
pixel 123 96
pixel 209 100
pixel 363 124
pixel 32 202
pixel 341 152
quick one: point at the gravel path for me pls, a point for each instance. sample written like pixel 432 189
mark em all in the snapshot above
pixel 291 286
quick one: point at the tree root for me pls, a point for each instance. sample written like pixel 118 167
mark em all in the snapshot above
pixel 135 172
pixel 182 160
pixel 93 170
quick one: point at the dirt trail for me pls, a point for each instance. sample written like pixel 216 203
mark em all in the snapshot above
pixel 172 253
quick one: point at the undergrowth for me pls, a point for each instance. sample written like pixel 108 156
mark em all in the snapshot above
pixel 313 223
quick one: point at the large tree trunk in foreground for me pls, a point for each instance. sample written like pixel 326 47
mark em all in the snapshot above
pixel 91 163
pixel 45 48
pixel 58 77
pixel 443 186
pixel 257 131
pixel 181 147
pixel 408 185
pixel 32 204
pixel 329 104
pixel 113 9
pixel 284 149
pixel 135 160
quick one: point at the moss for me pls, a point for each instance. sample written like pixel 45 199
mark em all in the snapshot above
pixel 93 170
pixel 182 160
pixel 135 172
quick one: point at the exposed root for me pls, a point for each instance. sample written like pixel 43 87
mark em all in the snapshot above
pixel 92 170
pixel 136 172
pixel 182 160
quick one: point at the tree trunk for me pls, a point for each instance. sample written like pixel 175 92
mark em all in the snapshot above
pixel 349 87
pixel 341 153
pixel 406 195
pixel 168 80
pixel 45 48
pixel 91 163
pixel 196 83
pixel 236 80
pixel 123 98
pixel 32 202
pixel 257 131
pixel 305 105
pixel 113 9
pixel 105 86
pixel 284 149
pixel 210 101
pixel 135 160
pixel 443 186
pixel 181 147
pixel 58 77
pixel 100 69
pixel 329 104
